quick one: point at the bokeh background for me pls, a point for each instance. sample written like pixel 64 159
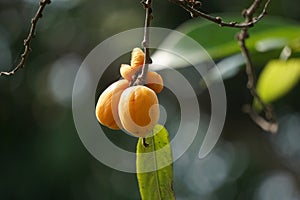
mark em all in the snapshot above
pixel 41 155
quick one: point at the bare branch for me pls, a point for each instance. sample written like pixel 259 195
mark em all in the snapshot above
pixel 250 70
pixel 27 41
pixel 190 7
pixel 140 76
pixel 260 121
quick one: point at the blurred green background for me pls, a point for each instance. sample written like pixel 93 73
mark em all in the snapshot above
pixel 41 154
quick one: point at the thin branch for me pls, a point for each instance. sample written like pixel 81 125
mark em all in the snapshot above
pixel 27 41
pixel 145 43
pixel 260 121
pixel 250 70
pixel 190 7
pixel 140 76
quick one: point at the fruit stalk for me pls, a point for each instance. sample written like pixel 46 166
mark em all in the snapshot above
pixel 145 43
pixel 141 78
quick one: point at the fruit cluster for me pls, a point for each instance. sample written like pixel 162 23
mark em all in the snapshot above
pixel 133 108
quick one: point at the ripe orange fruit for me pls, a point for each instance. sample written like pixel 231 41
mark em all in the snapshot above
pixel 136 63
pixel 137 57
pixel 138 110
pixel 107 105
pixel 128 71
pixel 154 81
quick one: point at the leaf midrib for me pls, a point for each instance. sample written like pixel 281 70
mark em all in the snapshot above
pixel 156 171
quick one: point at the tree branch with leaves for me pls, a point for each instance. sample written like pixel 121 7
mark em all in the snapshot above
pixel 267 123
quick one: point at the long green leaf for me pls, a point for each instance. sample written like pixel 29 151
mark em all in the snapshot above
pixel 277 79
pixel 154 166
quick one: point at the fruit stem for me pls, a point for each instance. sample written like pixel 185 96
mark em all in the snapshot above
pixel 141 78
pixel 145 42
pixel 145 144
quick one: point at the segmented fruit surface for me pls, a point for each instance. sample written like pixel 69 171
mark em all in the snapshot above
pixel 137 57
pixel 154 81
pixel 138 110
pixel 128 71
pixel 107 105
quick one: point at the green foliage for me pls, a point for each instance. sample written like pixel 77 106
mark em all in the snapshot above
pixel 219 43
pixel 277 79
pixel 154 166
pixel 266 40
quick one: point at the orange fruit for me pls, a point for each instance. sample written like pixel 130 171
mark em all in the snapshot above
pixel 107 105
pixel 137 57
pixel 138 110
pixel 136 63
pixel 128 71
pixel 154 81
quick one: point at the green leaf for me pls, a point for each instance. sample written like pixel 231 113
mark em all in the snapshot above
pixel 154 166
pixel 277 79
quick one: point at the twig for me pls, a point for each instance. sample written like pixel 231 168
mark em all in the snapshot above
pixel 144 143
pixel 190 7
pixel 251 84
pixel 140 77
pixel 27 41
pixel 145 43
pixel 260 121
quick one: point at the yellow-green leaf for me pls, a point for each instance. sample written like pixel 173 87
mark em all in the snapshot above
pixel 154 166
pixel 277 79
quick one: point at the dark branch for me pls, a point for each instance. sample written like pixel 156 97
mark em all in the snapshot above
pixel 140 77
pixel 27 41
pixel 145 43
pixel 260 121
pixel 250 70
pixel 190 7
